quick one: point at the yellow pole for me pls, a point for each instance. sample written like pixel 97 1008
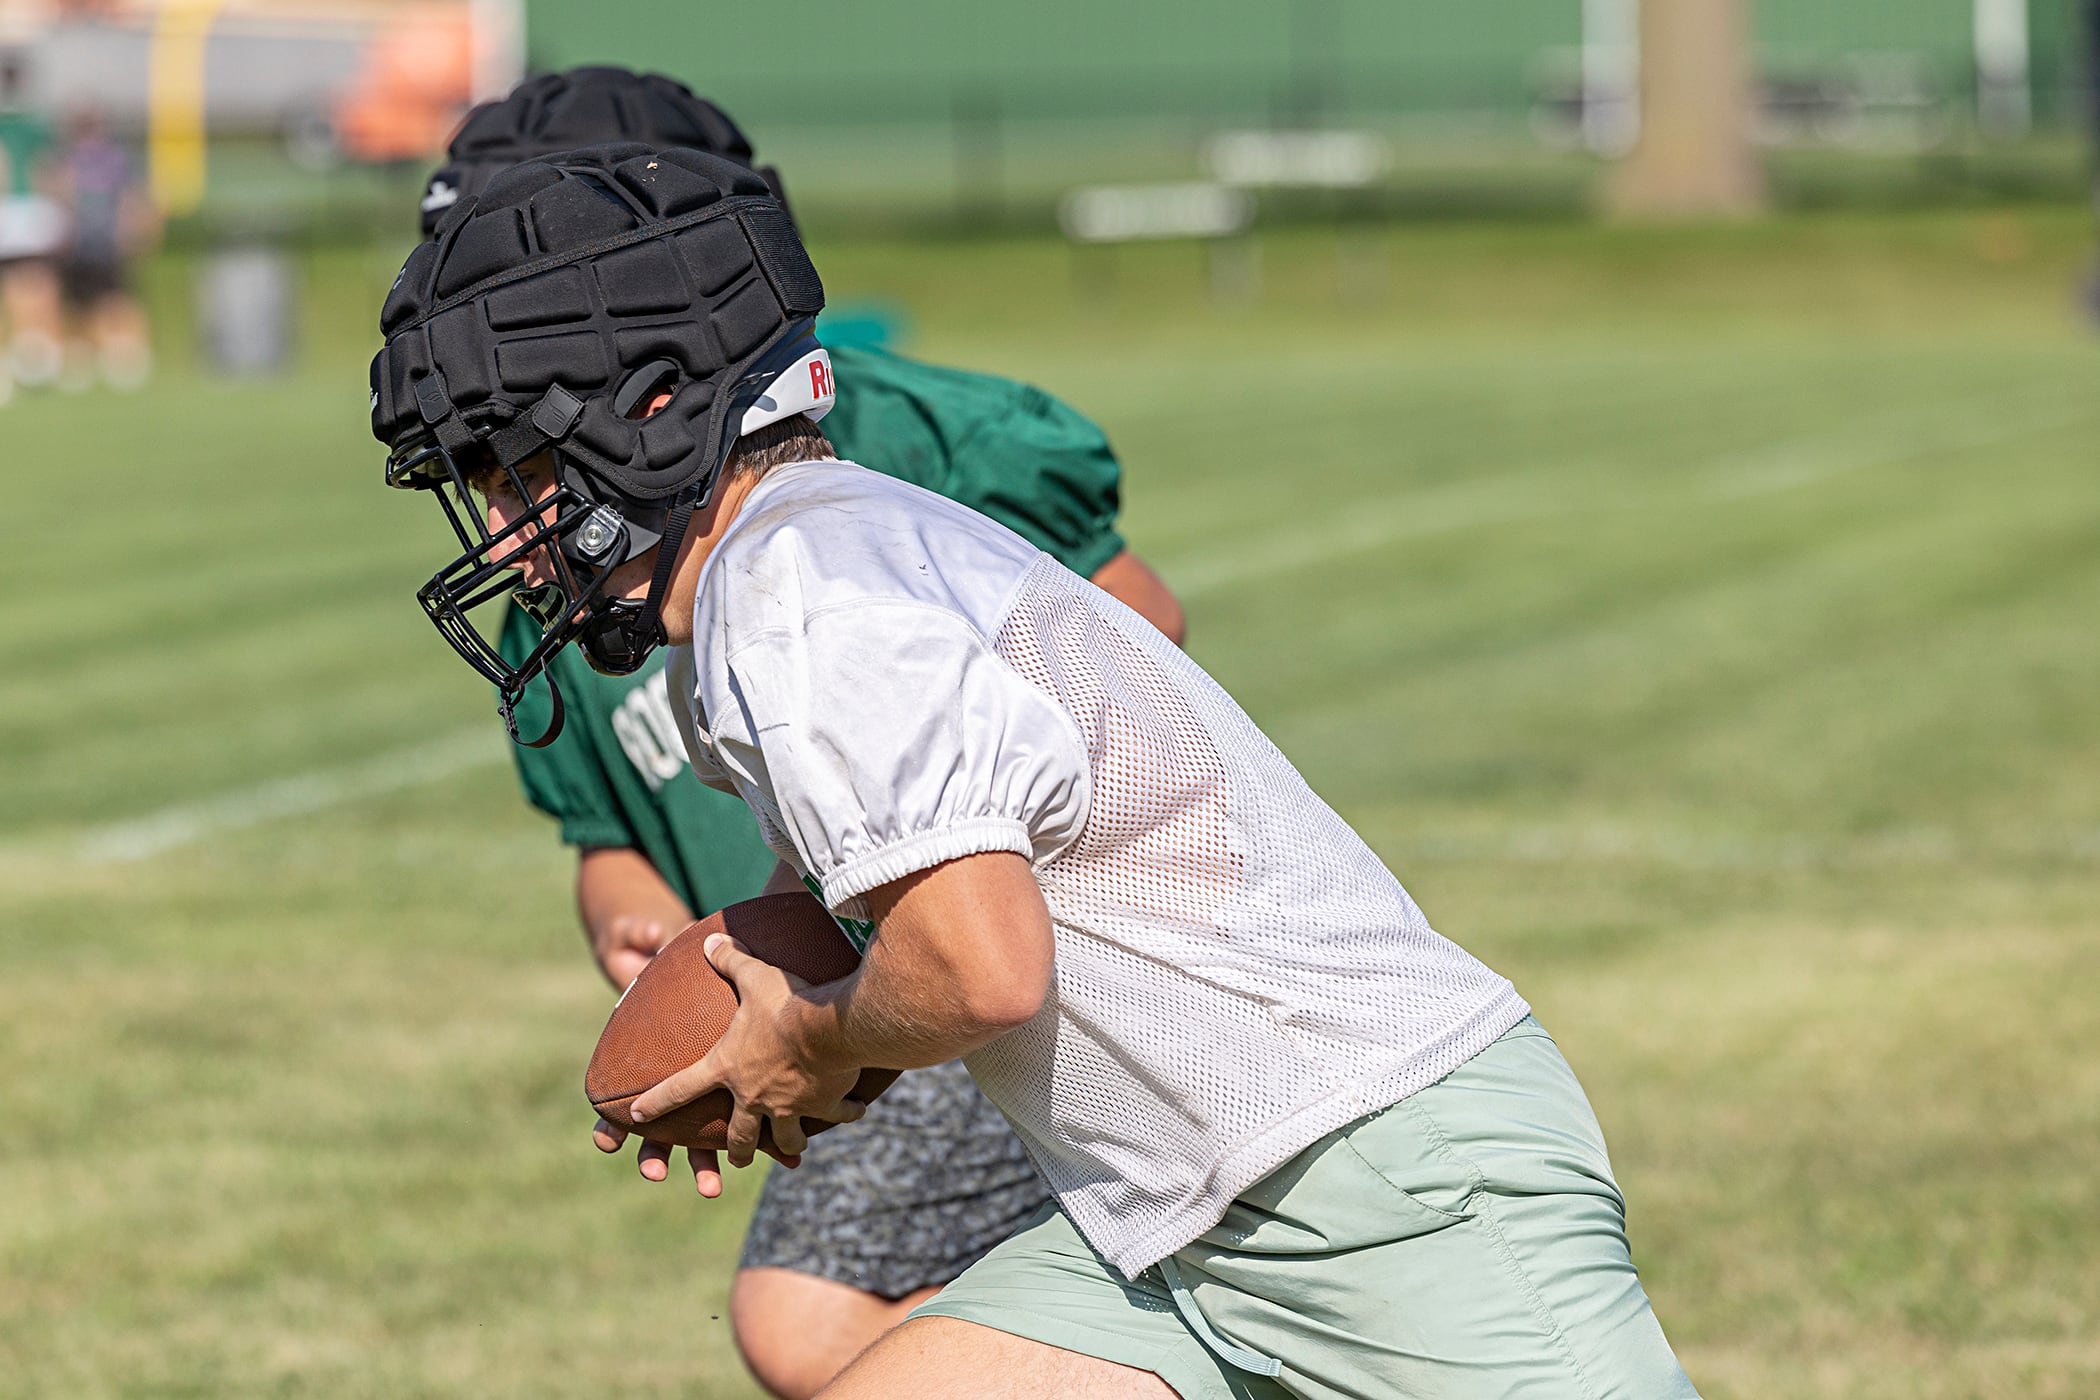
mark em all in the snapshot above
pixel 175 83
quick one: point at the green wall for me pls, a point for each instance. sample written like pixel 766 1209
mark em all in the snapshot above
pixel 914 59
pixel 991 111
pixel 906 60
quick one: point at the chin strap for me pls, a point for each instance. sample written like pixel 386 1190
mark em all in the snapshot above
pixel 689 500
pixel 619 638
pixel 507 706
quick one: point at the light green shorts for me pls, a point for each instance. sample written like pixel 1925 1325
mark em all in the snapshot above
pixel 1468 1242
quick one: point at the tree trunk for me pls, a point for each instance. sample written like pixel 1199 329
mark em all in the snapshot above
pixel 1696 156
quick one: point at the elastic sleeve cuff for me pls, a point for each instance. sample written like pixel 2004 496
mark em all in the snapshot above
pixel 911 854
pixel 1086 561
pixel 596 831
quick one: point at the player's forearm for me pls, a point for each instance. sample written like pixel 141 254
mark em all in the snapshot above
pixel 964 956
pixel 628 911
pixel 880 1018
pixel 613 883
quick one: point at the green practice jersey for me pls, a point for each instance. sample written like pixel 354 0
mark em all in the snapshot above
pixel 23 140
pixel 617 775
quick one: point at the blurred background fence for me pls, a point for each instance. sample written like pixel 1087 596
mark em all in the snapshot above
pixel 940 113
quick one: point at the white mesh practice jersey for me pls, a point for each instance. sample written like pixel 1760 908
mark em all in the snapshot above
pixel 891 681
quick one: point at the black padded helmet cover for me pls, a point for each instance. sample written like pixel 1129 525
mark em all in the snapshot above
pixel 572 286
pixel 581 107
pixel 571 270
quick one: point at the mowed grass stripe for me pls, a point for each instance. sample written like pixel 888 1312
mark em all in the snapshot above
pixel 1979 422
pixel 1762 757
pixel 1969 425
pixel 1328 446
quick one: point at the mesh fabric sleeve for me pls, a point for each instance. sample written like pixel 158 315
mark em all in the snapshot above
pixel 891 738
pixel 1046 471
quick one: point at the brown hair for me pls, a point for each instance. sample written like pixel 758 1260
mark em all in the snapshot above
pixel 792 439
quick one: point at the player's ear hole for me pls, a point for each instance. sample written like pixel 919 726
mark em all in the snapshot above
pixel 637 394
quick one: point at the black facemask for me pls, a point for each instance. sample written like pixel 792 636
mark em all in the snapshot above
pixel 575 542
pixel 546 316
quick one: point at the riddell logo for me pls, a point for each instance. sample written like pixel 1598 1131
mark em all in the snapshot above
pixel 819 379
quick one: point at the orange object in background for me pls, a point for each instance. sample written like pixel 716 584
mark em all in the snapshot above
pixel 415 85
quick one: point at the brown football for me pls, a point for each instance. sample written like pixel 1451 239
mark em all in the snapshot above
pixel 673 1014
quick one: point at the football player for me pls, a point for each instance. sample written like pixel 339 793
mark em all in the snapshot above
pixel 878 1216
pixel 1299 1142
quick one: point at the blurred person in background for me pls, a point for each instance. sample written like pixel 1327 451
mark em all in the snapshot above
pixel 883 1212
pixel 32 228
pixel 110 219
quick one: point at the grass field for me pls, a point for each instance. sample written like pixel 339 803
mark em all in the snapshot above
pixel 1701 623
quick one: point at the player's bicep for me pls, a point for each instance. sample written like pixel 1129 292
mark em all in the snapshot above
pixel 977 925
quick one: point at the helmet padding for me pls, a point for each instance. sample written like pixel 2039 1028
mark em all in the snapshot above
pixel 534 319
pixel 581 107
pixel 571 270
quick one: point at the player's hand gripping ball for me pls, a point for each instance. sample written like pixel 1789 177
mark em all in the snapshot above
pixel 679 1006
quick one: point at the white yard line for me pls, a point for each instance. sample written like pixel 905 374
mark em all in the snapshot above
pixel 187 823
pixel 1883 442
pixel 1590 844
pixel 1364 527
pixel 1375 524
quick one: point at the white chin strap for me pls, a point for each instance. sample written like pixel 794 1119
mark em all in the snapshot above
pixel 804 387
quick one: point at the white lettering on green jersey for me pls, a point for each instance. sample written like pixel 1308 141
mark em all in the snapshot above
pixel 648 734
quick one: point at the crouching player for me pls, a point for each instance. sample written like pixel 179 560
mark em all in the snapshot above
pixel 1300 1143
pixel 878 1216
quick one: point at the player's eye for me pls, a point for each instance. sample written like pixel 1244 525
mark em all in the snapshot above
pixel 531 481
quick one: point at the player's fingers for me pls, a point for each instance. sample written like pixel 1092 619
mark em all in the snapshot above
pixel 743 1136
pixel 623 965
pixel 677 1091
pixel 737 963
pixel 730 958
pixel 654 1161
pixel 788 1137
pixel 608 1136
pixel 848 1111
pixel 707 1170
pixel 648 936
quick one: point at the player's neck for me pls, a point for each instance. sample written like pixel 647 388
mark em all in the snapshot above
pixel 706 530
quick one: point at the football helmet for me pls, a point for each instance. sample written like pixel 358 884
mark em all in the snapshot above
pixel 585 106
pixel 526 343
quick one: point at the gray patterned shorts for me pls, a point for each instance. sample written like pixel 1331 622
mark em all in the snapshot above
pixel 907 1198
